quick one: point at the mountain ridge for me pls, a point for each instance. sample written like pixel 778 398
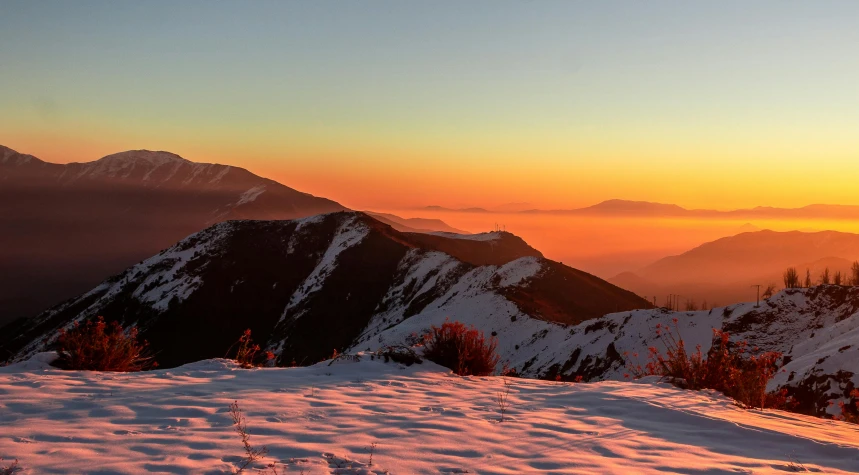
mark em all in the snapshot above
pixel 296 284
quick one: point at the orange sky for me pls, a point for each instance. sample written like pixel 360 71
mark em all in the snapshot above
pixel 401 104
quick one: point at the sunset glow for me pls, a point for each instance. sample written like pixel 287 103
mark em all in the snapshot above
pixel 392 105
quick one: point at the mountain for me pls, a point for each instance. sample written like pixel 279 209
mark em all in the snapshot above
pixel 415 225
pixel 456 210
pixel 816 330
pixel 723 270
pixel 347 282
pixel 307 287
pixel 634 208
pixel 631 208
pixel 66 227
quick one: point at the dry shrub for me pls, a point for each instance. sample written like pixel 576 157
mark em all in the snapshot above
pixel 248 353
pixel 464 350
pixel 97 346
pixel 8 469
pixel 850 411
pixel 728 368
pixel 252 454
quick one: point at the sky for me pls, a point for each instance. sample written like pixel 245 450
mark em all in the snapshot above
pixel 387 104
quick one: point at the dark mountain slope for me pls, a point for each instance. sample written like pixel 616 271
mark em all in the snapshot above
pixel 306 287
pixel 66 227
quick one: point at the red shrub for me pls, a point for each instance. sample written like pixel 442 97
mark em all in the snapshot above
pixel 464 350
pixel 850 411
pixel 726 368
pixel 97 346
pixel 246 352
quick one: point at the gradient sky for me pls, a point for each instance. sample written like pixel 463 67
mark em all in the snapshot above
pixel 400 103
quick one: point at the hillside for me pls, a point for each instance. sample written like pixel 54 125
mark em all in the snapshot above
pixel 306 287
pixel 371 417
pixel 67 227
pixel 415 225
pixel 722 270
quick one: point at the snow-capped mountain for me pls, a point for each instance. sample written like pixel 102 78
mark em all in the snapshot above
pixel 307 287
pixel 67 227
pixel 348 282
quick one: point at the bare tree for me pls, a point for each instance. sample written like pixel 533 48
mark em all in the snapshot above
pixel 791 278
pixel 691 306
pixel 769 291
pixel 854 269
pixel 824 276
pixel 807 278
pixel 837 278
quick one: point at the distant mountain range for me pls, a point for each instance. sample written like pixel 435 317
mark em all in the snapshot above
pixel 722 271
pixel 646 208
pixel 307 287
pixel 415 225
pixel 67 227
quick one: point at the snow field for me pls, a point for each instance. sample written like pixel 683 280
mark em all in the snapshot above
pixel 424 420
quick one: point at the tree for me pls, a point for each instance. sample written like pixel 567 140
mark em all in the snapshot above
pixel 837 279
pixel 807 278
pixel 769 291
pixel 691 306
pixel 791 278
pixel 824 276
pixel 855 271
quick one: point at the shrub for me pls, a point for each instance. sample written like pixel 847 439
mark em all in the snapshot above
pixel 8 469
pixel 726 368
pixel 247 352
pixel 462 349
pixel 850 411
pixel 97 346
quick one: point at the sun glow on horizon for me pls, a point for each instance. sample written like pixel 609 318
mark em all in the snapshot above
pixel 392 105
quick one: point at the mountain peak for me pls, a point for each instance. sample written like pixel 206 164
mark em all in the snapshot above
pixel 13 157
pixel 618 204
pixel 147 157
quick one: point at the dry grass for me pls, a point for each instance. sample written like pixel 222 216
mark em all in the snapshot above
pixel 248 353
pixel 8 469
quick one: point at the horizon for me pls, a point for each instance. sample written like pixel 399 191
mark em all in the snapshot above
pixel 495 209
pixel 388 236
pixel 384 104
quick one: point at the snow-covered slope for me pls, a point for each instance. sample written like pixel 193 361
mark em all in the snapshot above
pixel 339 419
pixel 817 331
pixel 307 287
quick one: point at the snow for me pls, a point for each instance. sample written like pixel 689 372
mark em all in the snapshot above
pixel 350 233
pixel 251 195
pixel 123 163
pixel 517 271
pixel 422 419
